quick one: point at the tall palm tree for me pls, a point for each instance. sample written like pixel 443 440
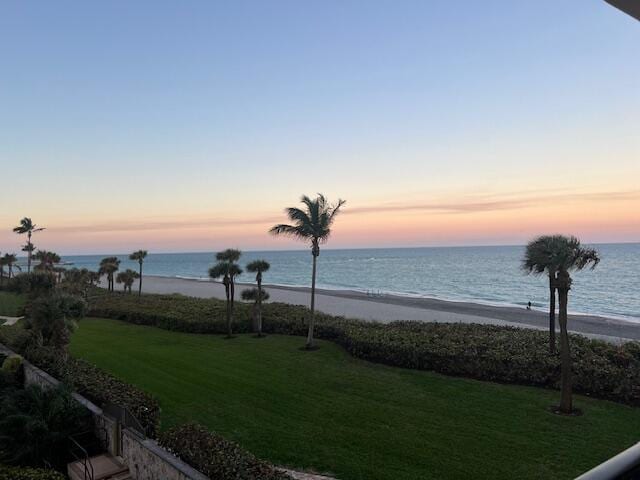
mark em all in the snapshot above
pixel 228 269
pixel 28 227
pixel 139 256
pixel 252 295
pixel 537 259
pixel 127 278
pixel 258 267
pixel 109 266
pixel 313 224
pixel 564 255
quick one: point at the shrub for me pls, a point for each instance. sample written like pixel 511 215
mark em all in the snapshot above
pixel 215 456
pixel 35 424
pixel 26 473
pixel 12 368
pixel 483 352
pixel 52 317
pixel 33 283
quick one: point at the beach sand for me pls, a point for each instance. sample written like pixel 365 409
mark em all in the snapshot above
pixel 388 308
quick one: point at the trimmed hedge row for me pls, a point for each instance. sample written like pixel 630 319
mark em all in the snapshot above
pixel 215 456
pixel 90 381
pixel 483 352
pixel 27 473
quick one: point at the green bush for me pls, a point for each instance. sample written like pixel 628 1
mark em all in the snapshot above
pixel 215 456
pixel 26 473
pixel 33 283
pixel 483 352
pixel 12 368
pixel 35 424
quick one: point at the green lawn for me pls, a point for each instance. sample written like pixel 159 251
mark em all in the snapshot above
pixel 11 304
pixel 327 411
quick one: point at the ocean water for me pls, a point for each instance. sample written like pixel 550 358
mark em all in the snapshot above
pixel 490 275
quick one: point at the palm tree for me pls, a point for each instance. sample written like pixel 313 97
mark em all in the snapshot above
pixel 127 278
pixel 48 260
pixel 537 259
pixel 109 266
pixel 311 224
pixel 139 256
pixel 258 267
pixel 563 255
pixel 3 263
pixel 11 260
pixel 228 269
pixel 28 227
pixel 251 295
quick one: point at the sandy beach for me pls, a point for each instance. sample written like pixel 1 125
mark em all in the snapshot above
pixel 387 308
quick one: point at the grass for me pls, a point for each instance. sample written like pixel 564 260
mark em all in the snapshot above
pixel 326 411
pixel 11 304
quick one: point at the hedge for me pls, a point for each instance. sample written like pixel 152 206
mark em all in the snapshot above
pixel 27 473
pixel 90 381
pixel 215 456
pixel 483 352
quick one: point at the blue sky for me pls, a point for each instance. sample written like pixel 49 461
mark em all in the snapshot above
pixel 211 109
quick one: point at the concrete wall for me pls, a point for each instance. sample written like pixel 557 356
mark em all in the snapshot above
pixel 145 459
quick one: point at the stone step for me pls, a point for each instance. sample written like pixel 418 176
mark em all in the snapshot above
pixel 105 467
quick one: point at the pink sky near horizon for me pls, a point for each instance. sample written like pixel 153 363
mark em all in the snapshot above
pixel 596 217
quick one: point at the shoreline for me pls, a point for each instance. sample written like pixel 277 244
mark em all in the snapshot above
pixel 387 308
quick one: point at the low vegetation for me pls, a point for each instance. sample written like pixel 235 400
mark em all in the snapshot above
pixel 483 352
pixel 11 304
pixel 28 473
pixel 334 413
pixel 216 456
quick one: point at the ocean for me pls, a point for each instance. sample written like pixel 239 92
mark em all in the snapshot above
pixel 489 275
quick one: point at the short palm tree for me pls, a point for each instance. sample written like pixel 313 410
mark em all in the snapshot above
pixel 311 224
pixel 109 266
pixel 563 255
pixel 139 257
pixel 127 278
pixel 48 260
pixel 28 227
pixel 228 269
pixel 251 295
pixel 258 267
pixel 3 263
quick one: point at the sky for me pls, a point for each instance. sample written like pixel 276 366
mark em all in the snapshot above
pixel 190 126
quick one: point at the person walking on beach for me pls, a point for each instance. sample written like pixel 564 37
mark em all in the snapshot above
pixel 529 306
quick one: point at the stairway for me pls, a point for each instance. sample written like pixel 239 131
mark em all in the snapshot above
pixel 105 467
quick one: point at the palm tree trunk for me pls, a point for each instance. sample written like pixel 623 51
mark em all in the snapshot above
pixel 259 306
pixel 227 293
pixel 566 405
pixel 552 317
pixel 313 303
pixel 29 253
pixel 140 281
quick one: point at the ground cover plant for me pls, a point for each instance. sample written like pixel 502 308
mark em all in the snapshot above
pixel 11 304
pixel 483 352
pixel 335 413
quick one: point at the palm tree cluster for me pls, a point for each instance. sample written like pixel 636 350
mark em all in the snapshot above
pixel 10 261
pixel 109 266
pixel 257 295
pixel 557 256
pixel 127 278
pixel 227 268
